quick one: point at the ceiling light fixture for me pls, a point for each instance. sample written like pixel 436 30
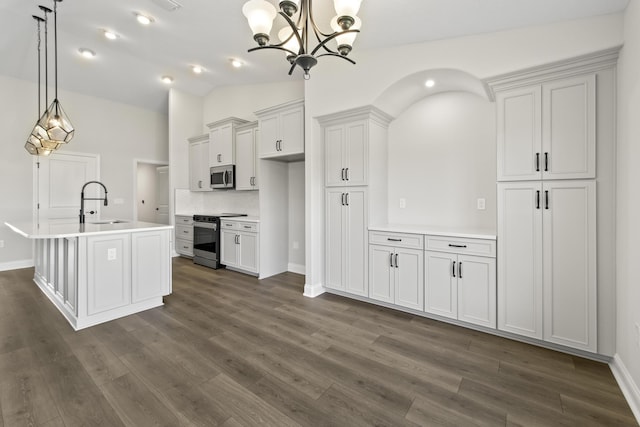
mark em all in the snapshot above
pixel 87 53
pixel 143 19
pixel 236 63
pixel 167 80
pixel 295 41
pixel 429 83
pixel 197 69
pixel 110 35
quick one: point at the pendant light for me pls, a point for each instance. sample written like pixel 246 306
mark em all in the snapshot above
pixel 38 143
pixel 54 120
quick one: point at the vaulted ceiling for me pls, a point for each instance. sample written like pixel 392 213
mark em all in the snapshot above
pixel 211 32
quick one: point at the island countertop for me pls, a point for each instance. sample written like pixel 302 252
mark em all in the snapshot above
pixel 56 229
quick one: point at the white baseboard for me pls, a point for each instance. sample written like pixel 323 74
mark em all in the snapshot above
pixel 14 265
pixel 296 268
pixel 627 385
pixel 313 291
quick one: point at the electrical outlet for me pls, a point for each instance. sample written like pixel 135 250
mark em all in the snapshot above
pixel 111 254
pixel 1 243
pixel 403 203
pixel 637 335
pixel 481 204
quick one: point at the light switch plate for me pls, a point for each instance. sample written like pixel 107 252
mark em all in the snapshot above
pixel 403 203
pixel 111 254
pixel 481 204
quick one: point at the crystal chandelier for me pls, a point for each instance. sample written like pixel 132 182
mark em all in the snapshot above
pixel 53 128
pixel 294 38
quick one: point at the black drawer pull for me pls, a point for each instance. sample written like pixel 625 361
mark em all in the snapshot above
pixel 451 245
pixel 247 226
pixel 394 240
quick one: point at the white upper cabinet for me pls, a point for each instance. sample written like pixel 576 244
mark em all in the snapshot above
pixel 282 131
pixel 346 154
pixel 246 157
pixel 222 150
pixel 199 178
pixel 547 131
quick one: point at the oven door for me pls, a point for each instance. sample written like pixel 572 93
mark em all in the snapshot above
pixel 205 241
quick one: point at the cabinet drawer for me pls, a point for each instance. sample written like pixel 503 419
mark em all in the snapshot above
pixel 229 225
pixel 184 220
pixel 248 226
pixel 184 247
pixel 398 240
pixel 184 232
pixel 461 246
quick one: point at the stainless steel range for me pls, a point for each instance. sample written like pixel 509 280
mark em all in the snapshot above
pixel 206 239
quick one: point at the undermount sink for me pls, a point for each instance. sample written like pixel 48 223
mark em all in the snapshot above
pixel 109 221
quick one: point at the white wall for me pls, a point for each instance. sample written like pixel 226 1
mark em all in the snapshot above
pixel 117 132
pixel 442 158
pixel 628 197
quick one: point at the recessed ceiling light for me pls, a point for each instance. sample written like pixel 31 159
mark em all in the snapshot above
pixel 429 83
pixel 167 79
pixel 143 19
pixel 87 53
pixel 197 69
pixel 236 62
pixel 110 35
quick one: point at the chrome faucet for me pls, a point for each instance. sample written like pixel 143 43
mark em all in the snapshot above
pixel 82 198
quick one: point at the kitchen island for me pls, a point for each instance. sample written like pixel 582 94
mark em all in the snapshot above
pixel 96 272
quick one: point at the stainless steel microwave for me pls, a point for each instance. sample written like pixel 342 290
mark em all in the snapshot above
pixel 223 177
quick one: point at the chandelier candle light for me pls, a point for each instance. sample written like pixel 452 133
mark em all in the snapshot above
pixel 294 39
pixel 54 127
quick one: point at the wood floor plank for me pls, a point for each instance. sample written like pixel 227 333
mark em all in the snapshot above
pixel 227 349
pixel 136 405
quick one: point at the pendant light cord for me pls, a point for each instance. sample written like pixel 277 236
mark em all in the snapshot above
pixel 55 43
pixel 39 67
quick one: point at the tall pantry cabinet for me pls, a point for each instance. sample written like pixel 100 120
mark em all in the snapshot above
pixel 355 152
pixel 546 148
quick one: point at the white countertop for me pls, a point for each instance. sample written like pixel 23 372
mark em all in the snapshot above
pixel 56 229
pixel 469 233
pixel 243 218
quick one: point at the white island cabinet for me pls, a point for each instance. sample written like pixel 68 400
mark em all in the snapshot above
pixel 94 272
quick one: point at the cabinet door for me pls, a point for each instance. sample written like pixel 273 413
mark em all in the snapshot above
pixel 248 251
pixel 477 290
pixel 381 273
pixel 569 236
pixel 356 153
pixel 292 131
pixel 108 272
pixel 334 235
pixel 245 160
pixel 334 156
pixel 409 289
pixel 569 128
pixel 356 241
pixel 150 276
pixel 199 166
pixel 269 136
pixel 215 144
pixel 519 134
pixel 227 147
pixel 228 247
pixel 441 294
pixel 520 258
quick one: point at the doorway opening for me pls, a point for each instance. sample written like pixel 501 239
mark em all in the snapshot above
pixel 151 191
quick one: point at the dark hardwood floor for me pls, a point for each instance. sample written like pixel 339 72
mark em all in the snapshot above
pixel 227 349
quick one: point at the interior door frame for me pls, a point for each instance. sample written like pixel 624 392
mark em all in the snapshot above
pixel 36 179
pixel 136 162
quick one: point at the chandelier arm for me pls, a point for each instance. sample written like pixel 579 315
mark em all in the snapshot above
pixel 330 37
pixel 293 67
pixel 294 28
pixel 277 47
pixel 337 55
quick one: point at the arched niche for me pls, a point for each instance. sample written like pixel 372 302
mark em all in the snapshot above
pixel 399 96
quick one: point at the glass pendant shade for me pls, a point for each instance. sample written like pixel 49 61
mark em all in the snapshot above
pixel 292 44
pixel 345 41
pixel 56 124
pixel 347 7
pixel 260 15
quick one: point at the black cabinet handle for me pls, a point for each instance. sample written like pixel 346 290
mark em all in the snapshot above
pixel 460 270
pixel 394 240
pixel 451 245
pixel 538 199
pixel 537 162
pixel 546 162
pixel 346 173
pixel 453 269
pixel 546 199
pixel 397 265
pixel 347 199
pixel 391 260
pixel 342 199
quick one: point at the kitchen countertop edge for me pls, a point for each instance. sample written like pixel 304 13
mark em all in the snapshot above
pixel 468 233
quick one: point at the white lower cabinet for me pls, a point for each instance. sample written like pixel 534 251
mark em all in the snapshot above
pixel 184 235
pixel 461 286
pixel 239 244
pixel 346 240
pixel 149 278
pixel 547 261
pixel 396 273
